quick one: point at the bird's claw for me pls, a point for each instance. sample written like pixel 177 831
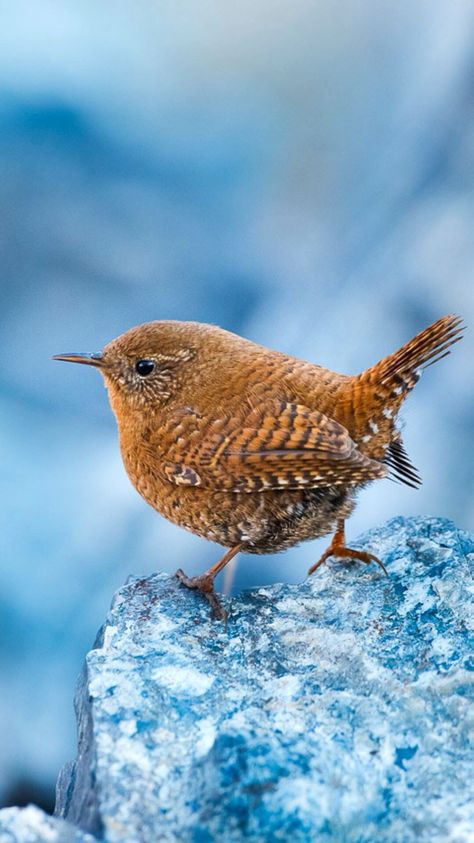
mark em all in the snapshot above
pixel 343 552
pixel 205 585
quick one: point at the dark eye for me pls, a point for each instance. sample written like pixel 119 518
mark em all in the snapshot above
pixel 144 367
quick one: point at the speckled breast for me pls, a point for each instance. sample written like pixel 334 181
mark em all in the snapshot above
pixel 264 522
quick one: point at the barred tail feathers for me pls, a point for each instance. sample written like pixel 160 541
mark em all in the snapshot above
pixel 386 385
pixel 401 370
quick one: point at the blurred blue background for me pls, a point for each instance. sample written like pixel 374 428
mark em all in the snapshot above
pixel 298 172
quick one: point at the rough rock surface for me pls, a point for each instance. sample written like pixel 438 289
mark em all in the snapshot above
pixel 332 710
pixel 31 825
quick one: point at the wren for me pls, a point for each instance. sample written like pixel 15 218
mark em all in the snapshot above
pixel 251 448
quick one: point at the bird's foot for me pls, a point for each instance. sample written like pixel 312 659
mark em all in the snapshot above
pixel 204 584
pixel 338 549
pixel 348 553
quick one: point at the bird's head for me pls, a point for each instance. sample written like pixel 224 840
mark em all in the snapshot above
pixel 157 363
pixel 144 367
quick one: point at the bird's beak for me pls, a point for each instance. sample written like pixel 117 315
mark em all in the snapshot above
pixel 95 359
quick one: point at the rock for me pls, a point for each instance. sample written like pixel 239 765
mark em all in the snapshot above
pixel 332 710
pixel 31 825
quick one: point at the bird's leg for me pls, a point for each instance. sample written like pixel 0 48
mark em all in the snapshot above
pixel 338 548
pixel 205 582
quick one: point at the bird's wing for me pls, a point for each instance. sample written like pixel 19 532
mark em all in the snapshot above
pixel 278 445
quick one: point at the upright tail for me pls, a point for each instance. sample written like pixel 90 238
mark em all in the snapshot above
pixel 384 387
pixel 400 371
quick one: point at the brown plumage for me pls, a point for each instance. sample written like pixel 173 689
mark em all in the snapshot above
pixel 251 448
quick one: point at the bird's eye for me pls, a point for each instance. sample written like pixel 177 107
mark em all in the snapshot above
pixel 144 367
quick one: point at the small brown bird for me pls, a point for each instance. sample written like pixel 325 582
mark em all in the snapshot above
pixel 249 447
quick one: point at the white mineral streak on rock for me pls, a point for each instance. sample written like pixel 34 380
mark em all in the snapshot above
pixel 32 825
pixel 182 680
pixel 109 635
pixel 418 594
pixel 206 736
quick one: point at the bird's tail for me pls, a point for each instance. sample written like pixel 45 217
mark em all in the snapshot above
pixel 399 372
pixel 379 391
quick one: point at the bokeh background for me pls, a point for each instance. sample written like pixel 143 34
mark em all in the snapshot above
pixel 298 172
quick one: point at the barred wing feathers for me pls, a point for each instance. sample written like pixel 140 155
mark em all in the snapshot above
pixel 280 445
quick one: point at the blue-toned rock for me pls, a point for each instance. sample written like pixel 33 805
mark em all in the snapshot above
pixel 31 825
pixel 332 710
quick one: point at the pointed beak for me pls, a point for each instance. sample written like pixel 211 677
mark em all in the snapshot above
pixel 95 359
